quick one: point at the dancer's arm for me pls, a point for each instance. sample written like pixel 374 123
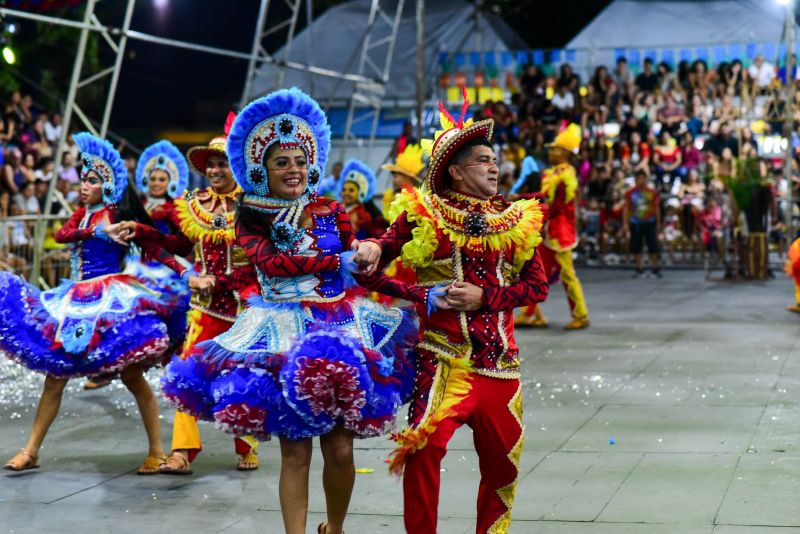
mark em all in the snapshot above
pixel 176 243
pixel 379 282
pixel 262 254
pixel 531 288
pixel 70 233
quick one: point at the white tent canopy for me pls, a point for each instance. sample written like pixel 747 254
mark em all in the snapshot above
pixel 676 24
pixel 335 37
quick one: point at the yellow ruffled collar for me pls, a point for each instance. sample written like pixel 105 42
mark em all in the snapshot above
pixel 201 224
pixel 555 176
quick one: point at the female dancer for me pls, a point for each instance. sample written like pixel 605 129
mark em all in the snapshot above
pixel 356 189
pixel 100 322
pixel 308 357
pixel 224 278
pixel 161 176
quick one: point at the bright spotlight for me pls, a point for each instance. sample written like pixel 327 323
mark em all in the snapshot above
pixel 161 4
pixel 11 27
pixel 9 55
pixel 784 2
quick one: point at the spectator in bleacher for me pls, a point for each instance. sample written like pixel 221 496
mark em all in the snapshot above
pixel 761 73
pixel 668 160
pixel 635 155
pixel 564 101
pixel 13 177
pixel 722 139
pixel 35 139
pixel 647 80
pixel 622 76
pixel 568 78
pixel 53 128
pixel 67 170
pixel 26 199
pixel 670 114
pixel 7 130
pixel 531 81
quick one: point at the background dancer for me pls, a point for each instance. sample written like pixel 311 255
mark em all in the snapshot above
pixel 224 279
pixel 101 322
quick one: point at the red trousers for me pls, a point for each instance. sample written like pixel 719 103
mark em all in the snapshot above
pixel 492 407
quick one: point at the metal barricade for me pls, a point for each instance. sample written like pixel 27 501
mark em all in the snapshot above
pixel 18 250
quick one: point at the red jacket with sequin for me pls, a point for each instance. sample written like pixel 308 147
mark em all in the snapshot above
pixel 486 335
pixel 216 252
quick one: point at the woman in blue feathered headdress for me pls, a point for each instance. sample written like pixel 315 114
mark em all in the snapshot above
pixel 356 190
pixel 162 175
pixel 101 322
pixel 311 356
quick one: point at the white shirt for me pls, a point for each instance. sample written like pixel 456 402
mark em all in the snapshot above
pixel 52 133
pixel 763 74
pixel 562 102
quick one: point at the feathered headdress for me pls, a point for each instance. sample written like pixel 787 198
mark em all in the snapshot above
pixel 198 155
pixel 409 163
pixel 166 157
pixel 100 156
pixel 569 138
pixel 359 173
pixel 447 141
pixel 288 117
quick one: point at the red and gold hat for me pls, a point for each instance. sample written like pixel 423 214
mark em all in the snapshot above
pixel 447 142
pixel 198 155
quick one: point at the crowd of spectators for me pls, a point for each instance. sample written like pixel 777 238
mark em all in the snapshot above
pixel 687 131
pixel 28 139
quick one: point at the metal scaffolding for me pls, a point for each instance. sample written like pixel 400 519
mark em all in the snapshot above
pixel 375 62
pixel 375 57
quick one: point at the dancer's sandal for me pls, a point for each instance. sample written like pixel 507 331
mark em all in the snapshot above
pixel 248 462
pixel 175 464
pixel 22 461
pixel 151 465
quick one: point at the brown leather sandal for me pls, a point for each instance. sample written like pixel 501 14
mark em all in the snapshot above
pixel 175 464
pixel 151 465
pixel 22 461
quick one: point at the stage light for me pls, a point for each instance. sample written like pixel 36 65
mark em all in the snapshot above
pixel 784 2
pixel 161 4
pixel 9 55
pixel 11 27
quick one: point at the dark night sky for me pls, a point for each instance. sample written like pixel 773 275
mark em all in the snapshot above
pixel 164 87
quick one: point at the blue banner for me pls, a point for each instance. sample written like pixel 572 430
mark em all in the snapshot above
pixel 556 56
pixel 507 59
pixel 618 53
pixel 459 59
pixel 769 51
pixel 702 53
pixel 572 56
pixel 719 54
pixel 443 58
pixel 650 54
pixel 735 52
pixel 667 56
pixel 538 57
pixel 686 54
pixel 634 57
pixel 523 58
pixel 752 50
pixel 489 58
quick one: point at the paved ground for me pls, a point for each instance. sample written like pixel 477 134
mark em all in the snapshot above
pixel 677 412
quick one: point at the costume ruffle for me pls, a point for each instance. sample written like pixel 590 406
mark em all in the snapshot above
pixel 299 369
pixel 88 328
pixel 174 290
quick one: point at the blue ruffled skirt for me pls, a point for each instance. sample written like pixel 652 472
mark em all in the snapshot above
pixel 297 370
pixel 164 280
pixel 88 328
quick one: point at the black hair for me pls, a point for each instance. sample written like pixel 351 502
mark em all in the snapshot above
pixel 130 208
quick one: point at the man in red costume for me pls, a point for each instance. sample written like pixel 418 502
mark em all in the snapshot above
pixel 221 283
pixel 474 254
pixel 560 193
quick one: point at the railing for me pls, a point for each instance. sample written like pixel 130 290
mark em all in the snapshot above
pixel 17 250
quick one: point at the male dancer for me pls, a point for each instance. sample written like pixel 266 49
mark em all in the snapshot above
pixel 475 252
pixel 559 191
pixel 225 278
